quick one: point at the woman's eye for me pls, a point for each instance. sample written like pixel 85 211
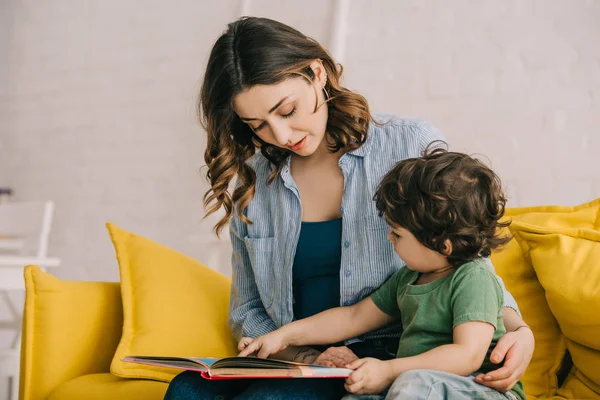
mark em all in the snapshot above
pixel 258 128
pixel 288 115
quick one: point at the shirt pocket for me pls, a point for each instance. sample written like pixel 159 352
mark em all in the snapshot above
pixel 260 253
pixel 383 259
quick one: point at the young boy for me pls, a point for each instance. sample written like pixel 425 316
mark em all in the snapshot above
pixel 444 210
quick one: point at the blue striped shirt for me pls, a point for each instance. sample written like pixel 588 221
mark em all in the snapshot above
pixel 263 252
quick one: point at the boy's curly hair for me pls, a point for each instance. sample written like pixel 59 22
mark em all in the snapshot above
pixel 445 195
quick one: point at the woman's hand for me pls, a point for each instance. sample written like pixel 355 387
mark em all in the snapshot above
pixel 336 357
pixel 371 376
pixel 515 349
pixel 265 345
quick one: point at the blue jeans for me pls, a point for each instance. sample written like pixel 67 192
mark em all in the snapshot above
pixel 422 384
pixel 191 386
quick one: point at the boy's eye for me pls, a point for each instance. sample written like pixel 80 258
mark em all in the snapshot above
pixel 393 235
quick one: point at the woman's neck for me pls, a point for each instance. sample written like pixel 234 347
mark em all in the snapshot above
pixel 322 155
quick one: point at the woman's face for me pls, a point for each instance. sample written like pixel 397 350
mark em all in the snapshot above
pixel 284 114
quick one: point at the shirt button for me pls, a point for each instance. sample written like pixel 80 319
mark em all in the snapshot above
pixel 347 272
pixel 342 209
pixel 346 244
pixel 347 302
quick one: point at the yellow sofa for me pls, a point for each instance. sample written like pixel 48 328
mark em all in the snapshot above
pixel 71 330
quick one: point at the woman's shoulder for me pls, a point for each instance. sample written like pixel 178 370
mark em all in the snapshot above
pixel 410 132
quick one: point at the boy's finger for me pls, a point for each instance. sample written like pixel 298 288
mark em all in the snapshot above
pixel 353 388
pixel 356 363
pixel 354 377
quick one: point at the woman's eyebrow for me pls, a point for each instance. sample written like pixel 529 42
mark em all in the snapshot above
pixel 270 111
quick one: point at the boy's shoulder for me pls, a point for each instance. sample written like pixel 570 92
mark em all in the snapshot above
pixel 400 279
pixel 476 272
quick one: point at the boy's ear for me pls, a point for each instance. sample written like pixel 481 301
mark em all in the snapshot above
pixel 447 250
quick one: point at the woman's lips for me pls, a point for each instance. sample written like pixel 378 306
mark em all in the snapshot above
pixel 298 146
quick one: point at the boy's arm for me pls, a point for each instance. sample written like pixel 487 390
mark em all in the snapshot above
pixel 337 324
pixel 476 298
pixel 327 327
pixel 463 357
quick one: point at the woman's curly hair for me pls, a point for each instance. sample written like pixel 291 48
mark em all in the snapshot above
pixel 259 51
pixel 443 196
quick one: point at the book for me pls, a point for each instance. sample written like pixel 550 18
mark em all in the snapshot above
pixel 242 367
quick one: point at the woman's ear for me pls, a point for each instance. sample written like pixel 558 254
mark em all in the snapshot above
pixel 320 72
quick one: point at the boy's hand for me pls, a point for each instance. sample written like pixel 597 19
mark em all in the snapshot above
pixel 266 345
pixel 371 376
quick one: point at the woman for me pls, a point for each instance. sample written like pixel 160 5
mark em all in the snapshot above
pixel 305 232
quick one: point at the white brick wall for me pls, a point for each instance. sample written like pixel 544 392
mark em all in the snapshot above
pixel 97 101
pixel 517 81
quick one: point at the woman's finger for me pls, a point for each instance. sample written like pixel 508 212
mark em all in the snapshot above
pixel 502 347
pixel 250 348
pixel 264 352
pixel 511 366
pixel 503 385
pixel 498 374
pixel 245 341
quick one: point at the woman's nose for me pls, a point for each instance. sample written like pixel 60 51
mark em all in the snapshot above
pixel 281 133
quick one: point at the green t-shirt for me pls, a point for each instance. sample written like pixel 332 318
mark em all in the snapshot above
pixel 429 312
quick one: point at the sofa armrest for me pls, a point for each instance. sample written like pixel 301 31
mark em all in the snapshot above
pixel 70 329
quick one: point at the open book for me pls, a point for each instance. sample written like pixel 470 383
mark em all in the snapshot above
pixel 242 367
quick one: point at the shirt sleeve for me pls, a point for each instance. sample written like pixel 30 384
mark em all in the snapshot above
pixel 509 300
pixel 247 314
pixel 476 296
pixel 429 135
pixel 386 297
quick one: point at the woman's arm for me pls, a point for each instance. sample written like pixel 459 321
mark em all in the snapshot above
pixel 514 349
pixel 247 314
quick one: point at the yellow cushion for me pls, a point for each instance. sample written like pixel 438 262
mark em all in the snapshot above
pixel 107 386
pixel 70 329
pixel 567 263
pixel 172 306
pixel 522 282
pixel 577 386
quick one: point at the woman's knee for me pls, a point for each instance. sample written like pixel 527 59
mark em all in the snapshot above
pixel 186 385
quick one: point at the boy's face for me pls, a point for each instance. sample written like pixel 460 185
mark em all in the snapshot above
pixel 416 256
